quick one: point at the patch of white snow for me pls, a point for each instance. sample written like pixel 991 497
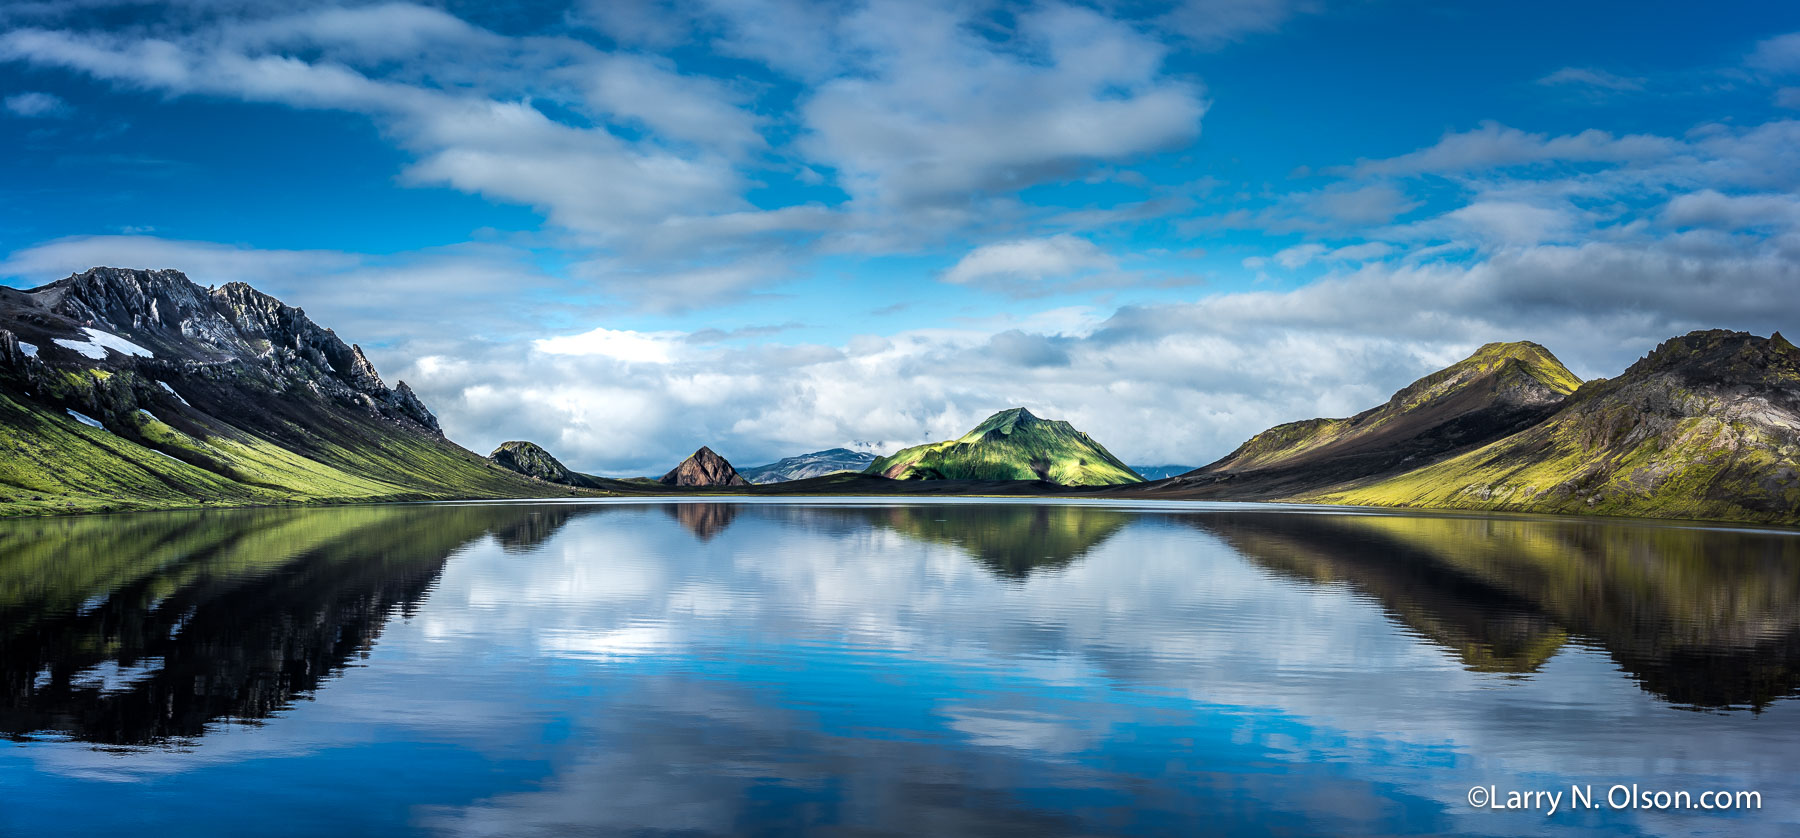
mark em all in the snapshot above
pixel 86 419
pixel 98 342
pixel 171 391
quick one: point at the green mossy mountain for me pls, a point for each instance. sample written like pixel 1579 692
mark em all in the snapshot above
pixel 531 460
pixel 1501 389
pixel 1706 426
pixel 1011 445
pixel 130 389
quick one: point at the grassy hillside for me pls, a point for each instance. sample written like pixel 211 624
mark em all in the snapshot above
pixel 1500 389
pixel 1011 445
pixel 1707 426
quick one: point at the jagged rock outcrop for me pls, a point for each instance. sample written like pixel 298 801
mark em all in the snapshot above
pixel 531 460
pixel 187 330
pixel 703 468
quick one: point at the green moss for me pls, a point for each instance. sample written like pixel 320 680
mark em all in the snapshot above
pixel 1011 445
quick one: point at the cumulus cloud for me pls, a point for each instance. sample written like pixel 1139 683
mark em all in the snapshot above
pixel 923 114
pixel 933 112
pixel 1205 374
pixel 1710 208
pixel 1779 55
pixel 618 345
pixel 1032 260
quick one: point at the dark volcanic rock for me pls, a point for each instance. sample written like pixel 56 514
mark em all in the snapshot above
pixel 704 468
pixel 233 332
pixel 531 460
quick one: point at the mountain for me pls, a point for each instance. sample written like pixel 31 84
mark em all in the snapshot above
pixel 1011 445
pixel 703 468
pixel 1161 472
pixel 124 389
pixel 531 460
pixel 816 464
pixel 1705 426
pixel 1501 389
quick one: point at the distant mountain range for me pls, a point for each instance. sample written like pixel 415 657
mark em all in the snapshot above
pixel 1161 472
pixel 123 389
pixel 1011 445
pixel 128 389
pixel 816 464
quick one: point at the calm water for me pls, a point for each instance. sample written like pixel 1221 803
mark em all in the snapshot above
pixel 923 669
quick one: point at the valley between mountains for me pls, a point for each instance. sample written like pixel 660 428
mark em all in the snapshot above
pixel 132 389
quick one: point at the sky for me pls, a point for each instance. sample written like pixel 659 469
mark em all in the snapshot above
pixel 624 230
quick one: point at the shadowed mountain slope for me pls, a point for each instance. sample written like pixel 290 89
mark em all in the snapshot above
pixel 1499 390
pixel 1706 426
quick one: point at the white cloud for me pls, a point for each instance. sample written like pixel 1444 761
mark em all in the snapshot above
pixel 1593 80
pixel 1214 23
pixel 36 104
pixel 1302 254
pixel 619 345
pixel 1511 222
pixel 1494 146
pixel 1710 208
pixel 1779 55
pixel 689 109
pixel 1033 260
pixel 934 113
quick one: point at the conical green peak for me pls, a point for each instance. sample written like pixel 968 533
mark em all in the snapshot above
pixel 1536 361
pixel 1005 421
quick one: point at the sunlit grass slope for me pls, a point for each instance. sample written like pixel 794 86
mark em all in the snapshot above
pixel 1707 426
pixel 1011 445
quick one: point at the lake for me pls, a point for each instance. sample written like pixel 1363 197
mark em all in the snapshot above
pixel 877 667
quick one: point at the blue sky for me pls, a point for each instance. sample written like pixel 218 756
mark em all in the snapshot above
pixel 624 230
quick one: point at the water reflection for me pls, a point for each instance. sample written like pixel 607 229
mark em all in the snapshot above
pixel 1707 618
pixel 134 629
pixel 953 668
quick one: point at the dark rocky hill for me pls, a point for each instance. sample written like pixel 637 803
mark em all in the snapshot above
pixel 703 468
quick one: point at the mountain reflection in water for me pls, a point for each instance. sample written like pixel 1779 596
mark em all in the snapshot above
pixel 131 629
pixel 1028 667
